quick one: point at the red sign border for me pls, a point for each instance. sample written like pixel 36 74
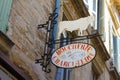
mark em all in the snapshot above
pixel 75 66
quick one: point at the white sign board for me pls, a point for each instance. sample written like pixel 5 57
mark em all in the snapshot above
pixel 73 55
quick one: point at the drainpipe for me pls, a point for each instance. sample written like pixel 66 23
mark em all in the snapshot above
pixel 61 74
pixel 57 8
pixel 60 71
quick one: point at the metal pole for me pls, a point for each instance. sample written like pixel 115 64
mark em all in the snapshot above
pixel 60 71
pixel 57 8
pixel 63 74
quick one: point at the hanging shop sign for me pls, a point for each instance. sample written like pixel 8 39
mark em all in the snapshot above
pixel 73 55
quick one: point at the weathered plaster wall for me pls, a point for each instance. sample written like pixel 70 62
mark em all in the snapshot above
pixel 29 41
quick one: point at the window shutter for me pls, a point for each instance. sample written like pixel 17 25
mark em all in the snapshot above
pixel 5 6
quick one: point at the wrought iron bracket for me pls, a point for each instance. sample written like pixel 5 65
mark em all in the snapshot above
pixel 46 57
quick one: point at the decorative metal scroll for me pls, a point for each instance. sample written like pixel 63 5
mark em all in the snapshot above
pixel 49 26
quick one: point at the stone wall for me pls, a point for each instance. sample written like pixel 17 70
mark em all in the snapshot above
pixel 29 41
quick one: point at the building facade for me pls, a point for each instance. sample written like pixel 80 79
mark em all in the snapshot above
pixel 25 42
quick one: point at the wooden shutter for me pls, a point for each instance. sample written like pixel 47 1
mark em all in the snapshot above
pixel 5 6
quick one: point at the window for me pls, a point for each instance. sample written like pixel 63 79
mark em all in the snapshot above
pixel 92 8
pixel 5 6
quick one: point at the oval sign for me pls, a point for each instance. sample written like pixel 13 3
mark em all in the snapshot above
pixel 73 55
